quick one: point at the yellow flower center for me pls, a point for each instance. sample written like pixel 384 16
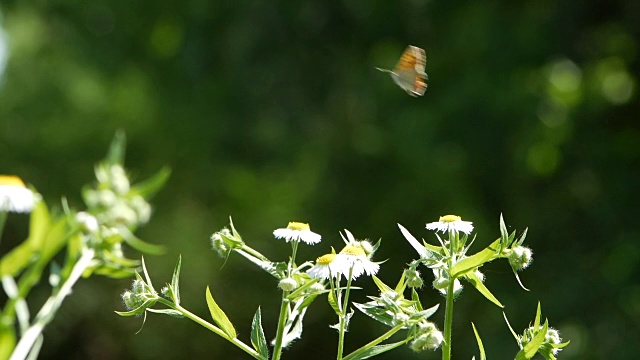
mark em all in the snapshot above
pixel 353 250
pixel 450 218
pixel 11 180
pixel 325 259
pixel 298 226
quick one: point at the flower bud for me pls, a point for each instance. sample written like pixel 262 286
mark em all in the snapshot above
pixel 288 284
pixel 132 301
pixel 316 288
pixel 520 257
pixel 138 287
pixel 218 244
pixel 413 278
pixel 88 222
pixel 430 340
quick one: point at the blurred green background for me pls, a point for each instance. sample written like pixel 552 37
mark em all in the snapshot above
pixel 273 112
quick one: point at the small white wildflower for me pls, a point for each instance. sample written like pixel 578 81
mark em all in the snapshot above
pixel 358 253
pixel 15 196
pixel 329 266
pixel 297 231
pixel 451 223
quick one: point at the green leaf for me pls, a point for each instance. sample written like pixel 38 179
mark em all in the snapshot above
pixel 7 340
pixel 482 289
pixel 170 312
pixel 382 286
pixel 402 284
pixel 476 260
pixel 26 253
pixel 377 313
pixel 479 341
pixel 258 340
pixel 116 152
pixel 219 316
pixel 373 351
pixel 148 188
pixel 138 244
pixel 331 298
pixel 536 322
pixel 175 281
pixel 532 347
pixel 416 299
pixel 515 336
pixel 504 234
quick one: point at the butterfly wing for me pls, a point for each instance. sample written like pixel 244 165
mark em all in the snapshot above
pixel 409 71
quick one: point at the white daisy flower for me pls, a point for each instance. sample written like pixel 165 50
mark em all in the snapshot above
pixel 357 258
pixel 296 231
pixel 358 254
pixel 329 266
pixel 451 223
pixel 14 195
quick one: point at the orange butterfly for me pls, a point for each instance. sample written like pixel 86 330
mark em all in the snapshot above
pixel 409 71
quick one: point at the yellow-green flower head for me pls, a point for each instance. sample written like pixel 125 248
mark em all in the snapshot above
pixel 14 195
pixel 297 231
pixel 451 223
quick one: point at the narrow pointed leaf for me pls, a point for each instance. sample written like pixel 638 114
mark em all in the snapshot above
pixel 416 299
pixel 258 340
pixel 170 312
pixel 139 244
pixel 116 152
pixel 402 284
pixel 374 351
pixel 479 341
pixel 515 336
pixel 382 286
pixel 422 251
pixel 536 322
pixel 482 289
pixel 175 281
pixel 219 316
pixel 532 347
pixel 504 234
pixel 476 260
pixel 151 186
pixel 333 302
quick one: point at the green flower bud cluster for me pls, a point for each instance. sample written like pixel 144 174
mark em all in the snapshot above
pixel 428 337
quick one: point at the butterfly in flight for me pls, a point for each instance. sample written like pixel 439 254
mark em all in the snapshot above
pixel 409 71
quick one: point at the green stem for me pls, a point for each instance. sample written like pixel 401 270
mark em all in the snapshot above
pixel 282 321
pixel 3 219
pixel 343 316
pixel 50 307
pixel 448 323
pixel 294 251
pixel 244 347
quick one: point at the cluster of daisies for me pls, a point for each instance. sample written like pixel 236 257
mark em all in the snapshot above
pixel 351 262
pixel 355 258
